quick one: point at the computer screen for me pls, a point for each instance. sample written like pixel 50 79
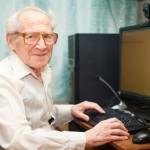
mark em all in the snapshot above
pixel 134 84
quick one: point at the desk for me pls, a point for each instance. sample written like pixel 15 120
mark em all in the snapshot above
pixel 78 125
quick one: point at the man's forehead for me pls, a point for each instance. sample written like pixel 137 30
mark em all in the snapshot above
pixel 33 20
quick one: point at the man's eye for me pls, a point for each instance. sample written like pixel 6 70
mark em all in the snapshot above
pixel 48 36
pixel 31 36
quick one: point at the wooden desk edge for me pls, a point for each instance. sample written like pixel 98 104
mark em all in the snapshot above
pixel 120 145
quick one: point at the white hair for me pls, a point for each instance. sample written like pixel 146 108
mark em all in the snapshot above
pixel 12 23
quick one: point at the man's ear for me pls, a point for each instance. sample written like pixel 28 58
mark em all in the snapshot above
pixel 10 41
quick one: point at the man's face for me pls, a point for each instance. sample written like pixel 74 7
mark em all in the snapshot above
pixel 38 55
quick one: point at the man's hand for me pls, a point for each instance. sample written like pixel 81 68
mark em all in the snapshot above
pixel 78 109
pixel 106 131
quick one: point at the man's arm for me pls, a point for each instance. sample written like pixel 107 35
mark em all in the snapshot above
pixel 16 133
pixel 62 114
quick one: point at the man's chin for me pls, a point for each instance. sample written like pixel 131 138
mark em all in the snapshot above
pixel 39 65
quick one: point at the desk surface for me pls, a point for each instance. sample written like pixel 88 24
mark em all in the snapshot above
pixel 120 145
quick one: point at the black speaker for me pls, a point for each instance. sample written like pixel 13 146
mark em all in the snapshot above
pixel 89 55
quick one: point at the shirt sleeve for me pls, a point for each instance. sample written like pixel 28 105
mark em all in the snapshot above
pixel 62 114
pixel 17 134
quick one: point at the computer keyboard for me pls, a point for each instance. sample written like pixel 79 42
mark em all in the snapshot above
pixel 130 120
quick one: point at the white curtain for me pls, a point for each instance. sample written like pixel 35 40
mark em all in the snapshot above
pixel 72 16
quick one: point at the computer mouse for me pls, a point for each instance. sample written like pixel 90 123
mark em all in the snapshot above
pixel 141 137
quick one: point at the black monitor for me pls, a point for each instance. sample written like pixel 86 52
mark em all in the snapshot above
pixel 134 84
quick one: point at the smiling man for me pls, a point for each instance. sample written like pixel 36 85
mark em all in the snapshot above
pixel 27 116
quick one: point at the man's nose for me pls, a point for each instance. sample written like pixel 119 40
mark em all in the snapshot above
pixel 41 44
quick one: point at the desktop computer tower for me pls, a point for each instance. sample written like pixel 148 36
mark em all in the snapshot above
pixel 89 55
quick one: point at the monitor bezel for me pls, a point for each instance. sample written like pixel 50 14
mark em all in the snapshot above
pixel 127 96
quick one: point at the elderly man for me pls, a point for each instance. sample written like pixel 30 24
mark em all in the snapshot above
pixel 27 114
